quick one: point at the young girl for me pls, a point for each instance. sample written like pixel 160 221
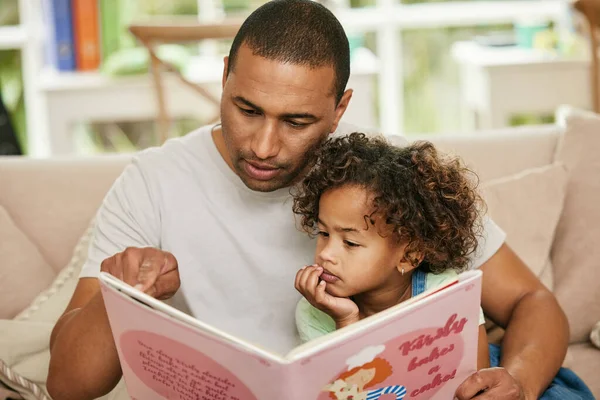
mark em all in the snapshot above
pixel 391 223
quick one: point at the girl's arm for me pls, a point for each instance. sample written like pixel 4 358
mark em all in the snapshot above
pixel 483 355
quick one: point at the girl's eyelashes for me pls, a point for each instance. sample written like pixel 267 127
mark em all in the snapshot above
pixel 346 242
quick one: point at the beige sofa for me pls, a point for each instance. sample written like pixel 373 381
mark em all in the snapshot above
pixel 46 206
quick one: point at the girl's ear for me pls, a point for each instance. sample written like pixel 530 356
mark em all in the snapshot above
pixel 409 260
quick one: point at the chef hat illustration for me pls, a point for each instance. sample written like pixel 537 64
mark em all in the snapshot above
pixel 366 355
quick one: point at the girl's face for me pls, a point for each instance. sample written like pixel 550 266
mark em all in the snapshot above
pixel 357 256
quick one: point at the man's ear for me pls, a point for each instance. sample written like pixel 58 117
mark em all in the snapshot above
pixel 341 108
pixel 225 66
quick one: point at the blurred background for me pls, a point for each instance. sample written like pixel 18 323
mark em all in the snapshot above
pixel 418 67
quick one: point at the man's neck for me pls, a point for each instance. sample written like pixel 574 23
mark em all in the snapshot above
pixel 217 137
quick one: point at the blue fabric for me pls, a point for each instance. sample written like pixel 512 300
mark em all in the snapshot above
pixel 419 281
pixel 565 385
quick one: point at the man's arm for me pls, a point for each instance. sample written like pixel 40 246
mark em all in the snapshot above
pixel 483 353
pixel 83 359
pixel 84 363
pixel 537 331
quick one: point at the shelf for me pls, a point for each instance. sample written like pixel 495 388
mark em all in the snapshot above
pixel 471 53
pixel 12 37
pixel 203 70
pixel 433 15
pixel 455 13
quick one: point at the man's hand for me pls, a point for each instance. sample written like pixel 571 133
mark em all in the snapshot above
pixel 490 384
pixel 150 270
pixel 343 310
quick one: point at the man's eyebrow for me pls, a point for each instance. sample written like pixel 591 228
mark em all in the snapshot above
pixel 299 116
pixel 339 228
pixel 240 99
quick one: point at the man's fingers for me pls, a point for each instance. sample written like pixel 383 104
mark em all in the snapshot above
pixel 128 263
pixel 166 285
pixel 143 267
pixel 474 384
pixel 109 266
pixel 498 393
pixel 170 263
pixel 148 272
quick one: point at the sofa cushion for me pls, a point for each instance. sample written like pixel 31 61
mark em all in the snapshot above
pixel 24 356
pixel 50 303
pixel 52 200
pixel 24 341
pixel 576 250
pixel 527 207
pixel 24 271
pixel 585 362
pixel 504 152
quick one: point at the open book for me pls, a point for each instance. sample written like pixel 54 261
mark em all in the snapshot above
pixel 420 349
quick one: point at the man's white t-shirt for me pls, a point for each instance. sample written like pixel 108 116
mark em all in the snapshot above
pixel 238 250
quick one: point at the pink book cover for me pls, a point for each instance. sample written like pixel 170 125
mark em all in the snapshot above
pixel 421 349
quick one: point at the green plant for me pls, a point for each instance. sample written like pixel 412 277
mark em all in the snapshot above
pixel 11 79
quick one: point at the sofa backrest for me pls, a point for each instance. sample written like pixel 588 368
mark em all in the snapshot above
pixel 500 153
pixel 53 200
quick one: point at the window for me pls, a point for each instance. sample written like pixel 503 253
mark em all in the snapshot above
pixel 430 77
pixel 9 12
pixel 415 86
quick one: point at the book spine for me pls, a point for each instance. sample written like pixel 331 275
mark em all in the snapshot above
pixel 60 43
pixel 87 34
pixel 110 27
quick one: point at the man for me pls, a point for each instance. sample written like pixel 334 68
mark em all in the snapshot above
pixel 211 212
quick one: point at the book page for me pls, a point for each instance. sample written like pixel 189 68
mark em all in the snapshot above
pixel 421 351
pixel 163 357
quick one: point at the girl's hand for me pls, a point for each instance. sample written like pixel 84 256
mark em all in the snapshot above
pixel 343 310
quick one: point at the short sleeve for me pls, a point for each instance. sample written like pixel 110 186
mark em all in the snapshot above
pixel 489 243
pixel 311 322
pixel 128 217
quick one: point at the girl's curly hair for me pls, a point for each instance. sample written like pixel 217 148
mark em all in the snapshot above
pixel 430 200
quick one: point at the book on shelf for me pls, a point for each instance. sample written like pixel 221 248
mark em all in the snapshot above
pixel 59 41
pixel 87 34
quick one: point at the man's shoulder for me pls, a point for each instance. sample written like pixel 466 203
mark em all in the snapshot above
pixel 176 151
pixel 177 162
pixel 345 128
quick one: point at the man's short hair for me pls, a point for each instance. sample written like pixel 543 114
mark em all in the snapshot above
pixel 300 32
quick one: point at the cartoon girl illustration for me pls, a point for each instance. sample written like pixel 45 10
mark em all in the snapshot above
pixel 351 385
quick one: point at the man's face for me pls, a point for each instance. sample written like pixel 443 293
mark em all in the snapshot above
pixel 274 115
